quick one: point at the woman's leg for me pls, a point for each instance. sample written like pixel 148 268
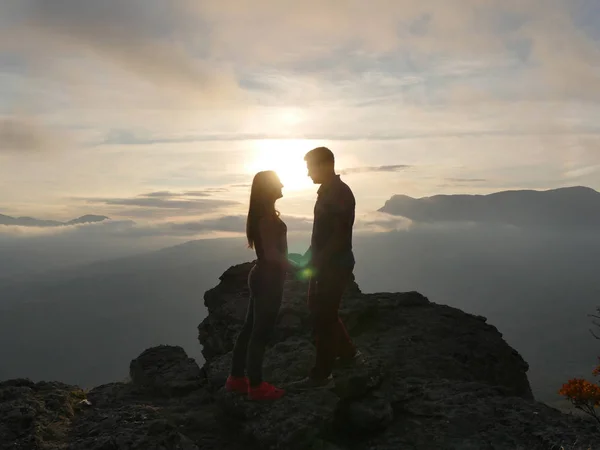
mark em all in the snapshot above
pixel 267 302
pixel 240 349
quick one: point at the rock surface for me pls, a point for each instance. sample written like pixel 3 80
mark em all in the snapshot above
pixel 166 370
pixel 434 378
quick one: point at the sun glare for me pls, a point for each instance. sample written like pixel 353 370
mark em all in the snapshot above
pixel 284 156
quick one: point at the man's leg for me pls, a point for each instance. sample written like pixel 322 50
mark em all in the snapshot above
pixel 331 336
pixel 312 302
pixel 324 298
pixel 345 347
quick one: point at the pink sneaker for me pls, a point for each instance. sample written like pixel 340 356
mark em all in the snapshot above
pixel 237 384
pixel 265 391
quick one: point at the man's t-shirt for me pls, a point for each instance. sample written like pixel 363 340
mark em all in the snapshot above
pixel 335 202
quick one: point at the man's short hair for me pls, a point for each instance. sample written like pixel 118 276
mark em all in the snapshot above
pixel 320 155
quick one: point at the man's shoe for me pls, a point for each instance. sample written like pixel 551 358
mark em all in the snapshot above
pixel 239 385
pixel 308 384
pixel 265 391
pixel 357 360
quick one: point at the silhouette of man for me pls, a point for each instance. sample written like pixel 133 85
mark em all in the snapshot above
pixel 332 263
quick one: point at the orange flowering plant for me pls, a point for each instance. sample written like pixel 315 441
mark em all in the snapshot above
pixel 584 395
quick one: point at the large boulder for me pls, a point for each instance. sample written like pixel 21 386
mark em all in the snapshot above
pixel 434 377
pixel 166 370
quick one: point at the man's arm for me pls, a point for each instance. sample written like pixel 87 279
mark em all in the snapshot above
pixel 307 254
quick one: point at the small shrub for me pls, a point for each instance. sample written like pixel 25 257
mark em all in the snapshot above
pixel 583 394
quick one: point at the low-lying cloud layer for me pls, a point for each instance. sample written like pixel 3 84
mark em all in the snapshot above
pixel 27 250
pixel 161 205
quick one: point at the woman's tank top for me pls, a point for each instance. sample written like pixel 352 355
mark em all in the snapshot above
pixel 267 276
pixel 280 239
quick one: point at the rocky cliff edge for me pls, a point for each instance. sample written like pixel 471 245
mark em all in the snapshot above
pixel 435 378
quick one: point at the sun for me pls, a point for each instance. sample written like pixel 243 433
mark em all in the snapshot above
pixel 284 156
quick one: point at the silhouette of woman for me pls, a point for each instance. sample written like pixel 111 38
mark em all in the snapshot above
pixel 267 235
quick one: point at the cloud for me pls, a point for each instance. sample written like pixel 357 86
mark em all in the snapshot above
pixel 502 119
pixel 210 190
pixel 19 135
pixel 126 137
pixel 209 225
pixel 170 194
pixel 466 180
pixel 463 182
pixel 35 250
pixel 181 43
pixel 158 202
pixel 380 222
pixel 328 38
pixel 162 204
pixel 159 194
pixel 151 40
pixel 372 222
pixel 313 28
pixel 234 224
pixel 407 53
pixel 132 236
pixel 237 224
pixel 582 171
pixel 100 227
pixel 366 169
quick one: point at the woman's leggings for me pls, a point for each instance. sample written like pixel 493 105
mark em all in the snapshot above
pixel 266 292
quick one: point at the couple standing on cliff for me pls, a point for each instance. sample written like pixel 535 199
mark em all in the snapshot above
pixel 331 265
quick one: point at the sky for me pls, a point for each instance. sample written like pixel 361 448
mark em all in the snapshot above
pixel 161 111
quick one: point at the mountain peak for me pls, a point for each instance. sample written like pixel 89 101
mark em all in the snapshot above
pixel 568 207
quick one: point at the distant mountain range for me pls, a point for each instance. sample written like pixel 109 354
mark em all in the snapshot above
pixel 572 207
pixel 31 222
